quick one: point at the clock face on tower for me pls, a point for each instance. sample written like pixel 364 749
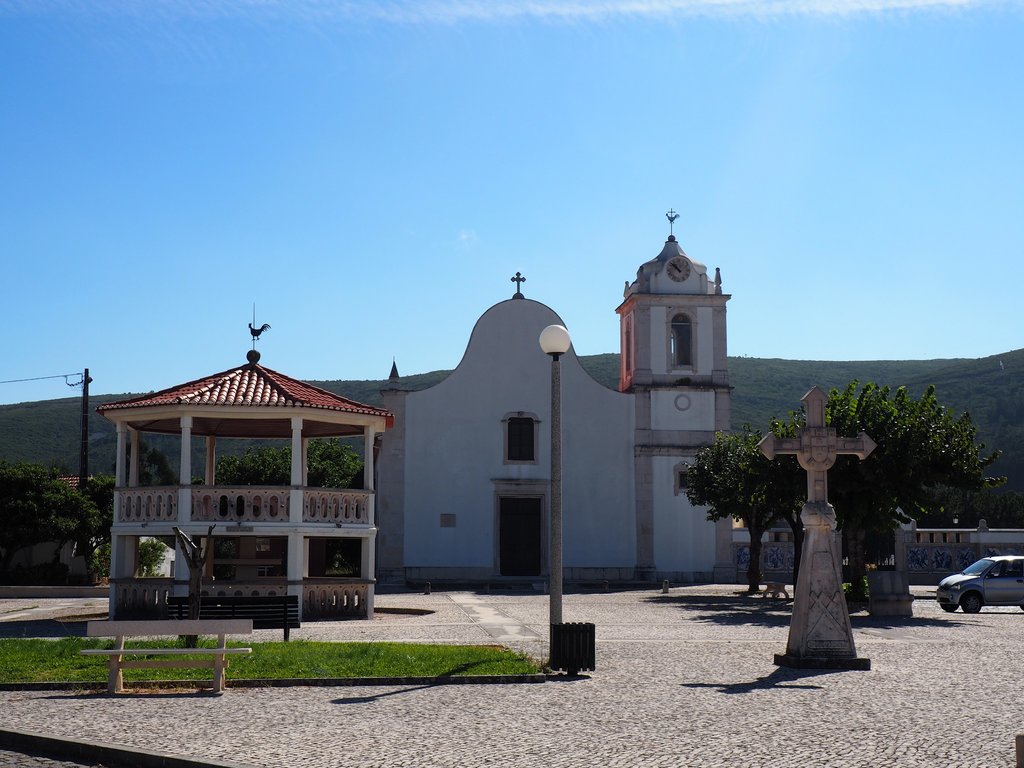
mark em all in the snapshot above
pixel 678 268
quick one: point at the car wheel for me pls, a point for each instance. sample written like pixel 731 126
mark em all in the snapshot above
pixel 951 608
pixel 971 602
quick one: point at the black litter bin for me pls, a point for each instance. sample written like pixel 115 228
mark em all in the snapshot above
pixel 572 647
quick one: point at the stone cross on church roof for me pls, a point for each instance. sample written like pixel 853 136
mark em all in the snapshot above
pixel 518 280
pixel 816 445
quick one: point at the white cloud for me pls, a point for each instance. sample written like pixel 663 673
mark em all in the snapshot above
pixel 466 238
pixel 492 11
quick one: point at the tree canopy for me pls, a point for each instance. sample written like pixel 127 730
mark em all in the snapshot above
pixel 735 480
pixel 923 451
pixel 330 464
pixel 37 506
pixel 922 448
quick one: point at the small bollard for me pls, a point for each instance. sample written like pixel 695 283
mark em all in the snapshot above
pixel 1020 750
pixel 664 587
pixel 604 586
pixel 426 588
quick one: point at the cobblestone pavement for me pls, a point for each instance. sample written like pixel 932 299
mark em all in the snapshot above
pixel 683 679
pixel 19 760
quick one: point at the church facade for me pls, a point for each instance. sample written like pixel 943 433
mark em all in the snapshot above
pixel 464 474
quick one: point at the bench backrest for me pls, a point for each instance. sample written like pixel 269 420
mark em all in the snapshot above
pixel 169 627
pixel 266 612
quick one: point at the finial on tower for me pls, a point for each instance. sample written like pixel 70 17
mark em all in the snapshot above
pixel 671 216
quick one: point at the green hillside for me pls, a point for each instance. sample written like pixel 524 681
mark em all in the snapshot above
pixel 990 389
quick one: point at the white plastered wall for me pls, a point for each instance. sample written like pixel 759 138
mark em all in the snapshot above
pixel 685 540
pixel 454 453
pixel 683 410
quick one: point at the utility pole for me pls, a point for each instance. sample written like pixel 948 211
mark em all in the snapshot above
pixel 83 457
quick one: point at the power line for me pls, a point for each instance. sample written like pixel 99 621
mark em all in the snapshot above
pixel 64 376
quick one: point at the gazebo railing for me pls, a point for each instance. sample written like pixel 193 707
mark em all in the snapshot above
pixel 334 598
pixel 338 507
pixel 245 504
pixel 146 505
pixel 249 504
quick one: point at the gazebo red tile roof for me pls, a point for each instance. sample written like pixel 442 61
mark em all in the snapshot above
pixel 248 385
pixel 251 386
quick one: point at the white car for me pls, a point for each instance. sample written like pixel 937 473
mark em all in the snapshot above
pixel 995 580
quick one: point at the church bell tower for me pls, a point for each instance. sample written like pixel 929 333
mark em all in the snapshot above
pixel 673 359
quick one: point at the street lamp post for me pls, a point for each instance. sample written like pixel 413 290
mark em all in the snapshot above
pixel 555 341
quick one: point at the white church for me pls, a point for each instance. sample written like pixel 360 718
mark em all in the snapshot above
pixel 457 479
pixel 463 487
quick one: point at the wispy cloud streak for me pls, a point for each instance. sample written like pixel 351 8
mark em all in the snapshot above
pixel 488 11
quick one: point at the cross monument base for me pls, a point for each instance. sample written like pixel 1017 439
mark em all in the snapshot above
pixel 820 635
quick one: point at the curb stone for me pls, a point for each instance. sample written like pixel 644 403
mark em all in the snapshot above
pixel 287 682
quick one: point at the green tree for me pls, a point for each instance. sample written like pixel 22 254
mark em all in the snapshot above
pixel 333 464
pixel 999 509
pixel 92 529
pixel 330 464
pixel 151 556
pixel 154 467
pixel 263 465
pixel 922 448
pixel 36 506
pixel 734 480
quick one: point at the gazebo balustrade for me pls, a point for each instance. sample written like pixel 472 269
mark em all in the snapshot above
pixel 244 504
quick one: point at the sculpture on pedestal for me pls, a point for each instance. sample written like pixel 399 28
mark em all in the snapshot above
pixel 820 636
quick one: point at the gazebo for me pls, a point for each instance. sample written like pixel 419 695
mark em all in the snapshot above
pixel 316 543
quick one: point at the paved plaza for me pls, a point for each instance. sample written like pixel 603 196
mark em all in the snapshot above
pixel 682 679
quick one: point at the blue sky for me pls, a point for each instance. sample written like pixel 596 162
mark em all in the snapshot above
pixel 371 175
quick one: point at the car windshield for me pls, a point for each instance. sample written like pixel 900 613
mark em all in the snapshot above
pixel 979 567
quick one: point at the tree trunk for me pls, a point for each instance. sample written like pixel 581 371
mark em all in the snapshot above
pixel 855 556
pixel 196 554
pixel 195 594
pixel 796 525
pixel 754 566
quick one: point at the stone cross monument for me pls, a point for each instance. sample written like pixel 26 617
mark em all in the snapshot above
pixel 820 636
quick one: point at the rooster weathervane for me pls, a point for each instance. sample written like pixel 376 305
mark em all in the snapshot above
pixel 671 216
pixel 256 332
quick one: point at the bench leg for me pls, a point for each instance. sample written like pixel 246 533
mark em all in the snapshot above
pixel 115 676
pixel 219 664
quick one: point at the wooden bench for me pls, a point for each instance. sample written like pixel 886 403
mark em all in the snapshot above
pixel 775 589
pixel 119 630
pixel 266 612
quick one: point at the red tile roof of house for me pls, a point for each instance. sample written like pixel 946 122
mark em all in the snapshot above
pixel 250 385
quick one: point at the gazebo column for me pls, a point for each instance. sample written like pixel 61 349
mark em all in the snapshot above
pixel 210 476
pixel 305 462
pixel 369 436
pixel 296 545
pixel 369 568
pixel 118 554
pixel 134 459
pixel 123 557
pixel 295 501
pixel 185 475
pixel 122 431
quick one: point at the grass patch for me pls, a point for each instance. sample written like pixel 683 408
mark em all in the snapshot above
pixel 33 661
